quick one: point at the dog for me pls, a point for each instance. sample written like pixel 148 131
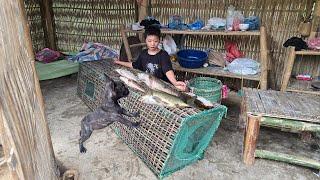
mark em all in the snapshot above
pixel 108 113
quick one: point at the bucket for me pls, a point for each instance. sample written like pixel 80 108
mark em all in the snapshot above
pixel 207 87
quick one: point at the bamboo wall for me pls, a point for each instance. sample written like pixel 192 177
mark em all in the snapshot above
pixel 77 21
pixel 35 24
pixel 24 130
pixel 91 20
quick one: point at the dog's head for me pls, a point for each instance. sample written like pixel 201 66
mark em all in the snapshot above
pixel 115 89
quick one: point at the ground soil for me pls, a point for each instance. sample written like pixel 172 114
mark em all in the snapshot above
pixel 109 158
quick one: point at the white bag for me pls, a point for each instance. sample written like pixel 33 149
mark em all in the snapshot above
pixel 169 45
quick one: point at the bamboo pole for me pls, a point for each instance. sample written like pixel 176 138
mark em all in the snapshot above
pixel 251 136
pixel 263 58
pixel 317 8
pixel 288 158
pixel 289 124
pixel 288 69
pixel 48 23
pixel 126 43
pixel 143 7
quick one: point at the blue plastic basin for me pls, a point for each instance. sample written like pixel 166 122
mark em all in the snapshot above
pixel 191 58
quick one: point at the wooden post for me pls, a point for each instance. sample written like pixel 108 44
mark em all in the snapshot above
pixel 143 7
pixel 48 23
pixel 24 129
pixel 315 20
pixel 126 43
pixel 263 58
pixel 251 136
pixel 288 69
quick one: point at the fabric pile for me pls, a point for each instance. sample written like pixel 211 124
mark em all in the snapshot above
pixel 93 52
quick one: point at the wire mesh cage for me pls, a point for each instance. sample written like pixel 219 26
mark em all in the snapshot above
pixel 168 139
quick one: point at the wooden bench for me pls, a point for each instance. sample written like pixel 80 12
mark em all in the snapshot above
pixel 294 112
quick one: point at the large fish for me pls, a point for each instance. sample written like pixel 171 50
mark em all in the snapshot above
pixel 127 74
pixel 156 84
pixel 131 83
pixel 190 98
pixel 163 99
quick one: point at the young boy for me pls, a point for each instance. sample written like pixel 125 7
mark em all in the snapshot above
pixel 154 60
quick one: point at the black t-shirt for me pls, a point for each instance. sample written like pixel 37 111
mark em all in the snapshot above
pixel 156 65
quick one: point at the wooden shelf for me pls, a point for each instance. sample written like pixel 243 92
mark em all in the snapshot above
pixel 203 32
pixel 292 84
pixel 308 52
pixel 215 71
pixel 301 86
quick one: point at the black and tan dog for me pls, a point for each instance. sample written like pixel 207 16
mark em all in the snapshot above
pixel 108 113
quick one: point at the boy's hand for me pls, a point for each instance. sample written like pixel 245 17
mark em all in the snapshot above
pixel 180 85
pixel 116 60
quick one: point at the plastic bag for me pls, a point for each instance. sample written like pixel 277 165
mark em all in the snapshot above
pixel 237 20
pixel 244 66
pixel 217 23
pixel 229 21
pixel 169 45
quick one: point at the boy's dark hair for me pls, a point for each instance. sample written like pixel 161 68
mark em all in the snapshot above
pixel 152 31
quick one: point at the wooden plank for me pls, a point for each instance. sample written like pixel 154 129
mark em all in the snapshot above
pixel 215 71
pixel 301 86
pixel 202 32
pixel 308 52
pixel 302 161
pixel 258 101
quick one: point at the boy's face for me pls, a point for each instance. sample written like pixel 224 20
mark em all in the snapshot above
pixel 152 42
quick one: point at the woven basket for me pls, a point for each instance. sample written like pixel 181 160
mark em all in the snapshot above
pixel 168 139
pixel 207 87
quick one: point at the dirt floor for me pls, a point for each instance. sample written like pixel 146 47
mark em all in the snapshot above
pixel 109 158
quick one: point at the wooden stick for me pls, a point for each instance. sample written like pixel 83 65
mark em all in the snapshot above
pixel 302 161
pixel 203 32
pixel 288 69
pixel 251 136
pixel 48 23
pixel 126 43
pixel 289 124
pixel 263 58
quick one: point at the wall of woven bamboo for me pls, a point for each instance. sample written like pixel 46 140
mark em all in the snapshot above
pixel 35 24
pixel 91 20
pixel 281 19
pixel 99 21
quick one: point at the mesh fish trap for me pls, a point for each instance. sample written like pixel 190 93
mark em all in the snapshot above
pixel 167 139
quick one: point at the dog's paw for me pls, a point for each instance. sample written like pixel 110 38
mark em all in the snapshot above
pixel 83 149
